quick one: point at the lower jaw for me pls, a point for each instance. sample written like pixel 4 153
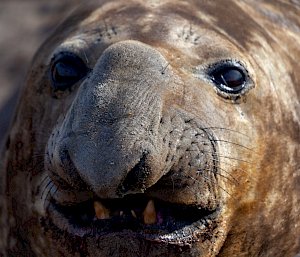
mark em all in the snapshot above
pixel 183 235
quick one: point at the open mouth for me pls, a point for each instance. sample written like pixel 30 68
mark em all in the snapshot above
pixel 151 219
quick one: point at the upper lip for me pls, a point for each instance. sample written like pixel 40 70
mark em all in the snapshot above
pixel 149 218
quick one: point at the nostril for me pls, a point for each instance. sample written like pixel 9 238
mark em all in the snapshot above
pixel 136 178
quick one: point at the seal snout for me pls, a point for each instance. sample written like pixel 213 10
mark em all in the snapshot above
pixel 109 138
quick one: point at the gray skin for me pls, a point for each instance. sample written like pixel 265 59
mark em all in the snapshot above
pixel 148 121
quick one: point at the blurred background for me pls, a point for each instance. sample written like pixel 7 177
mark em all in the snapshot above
pixel 24 25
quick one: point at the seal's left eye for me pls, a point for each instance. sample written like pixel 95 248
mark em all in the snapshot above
pixel 229 79
pixel 66 70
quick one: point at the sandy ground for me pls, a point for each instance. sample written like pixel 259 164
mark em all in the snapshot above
pixel 24 25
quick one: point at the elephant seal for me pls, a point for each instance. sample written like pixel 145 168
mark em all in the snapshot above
pixel 158 128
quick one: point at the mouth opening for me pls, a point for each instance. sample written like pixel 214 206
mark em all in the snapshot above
pixel 133 213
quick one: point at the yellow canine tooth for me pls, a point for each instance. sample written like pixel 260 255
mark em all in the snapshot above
pixel 149 214
pixel 101 212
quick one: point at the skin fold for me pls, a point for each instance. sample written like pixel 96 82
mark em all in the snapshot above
pixel 147 119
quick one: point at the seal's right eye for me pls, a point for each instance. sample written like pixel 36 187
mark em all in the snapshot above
pixel 66 70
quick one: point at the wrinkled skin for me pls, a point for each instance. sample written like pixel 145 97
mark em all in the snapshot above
pixel 148 120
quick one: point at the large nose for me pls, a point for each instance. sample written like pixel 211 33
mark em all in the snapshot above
pixel 112 130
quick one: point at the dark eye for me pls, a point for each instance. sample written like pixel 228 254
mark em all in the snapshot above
pixel 229 79
pixel 66 70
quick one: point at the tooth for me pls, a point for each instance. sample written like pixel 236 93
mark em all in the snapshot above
pixel 133 213
pixel 149 213
pixel 100 211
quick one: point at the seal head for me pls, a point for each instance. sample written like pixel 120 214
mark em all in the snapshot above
pixel 158 129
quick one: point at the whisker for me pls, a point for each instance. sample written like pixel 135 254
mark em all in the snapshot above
pixel 234 158
pixel 38 155
pixel 55 192
pixel 207 179
pixel 44 179
pixel 222 156
pixel 46 188
pixel 85 56
pixel 233 181
pixel 35 168
pixel 49 192
pixel 226 129
pixel 232 178
pixel 229 142
pixel 234 167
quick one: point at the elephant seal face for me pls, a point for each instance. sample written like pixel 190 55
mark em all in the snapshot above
pixel 163 128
